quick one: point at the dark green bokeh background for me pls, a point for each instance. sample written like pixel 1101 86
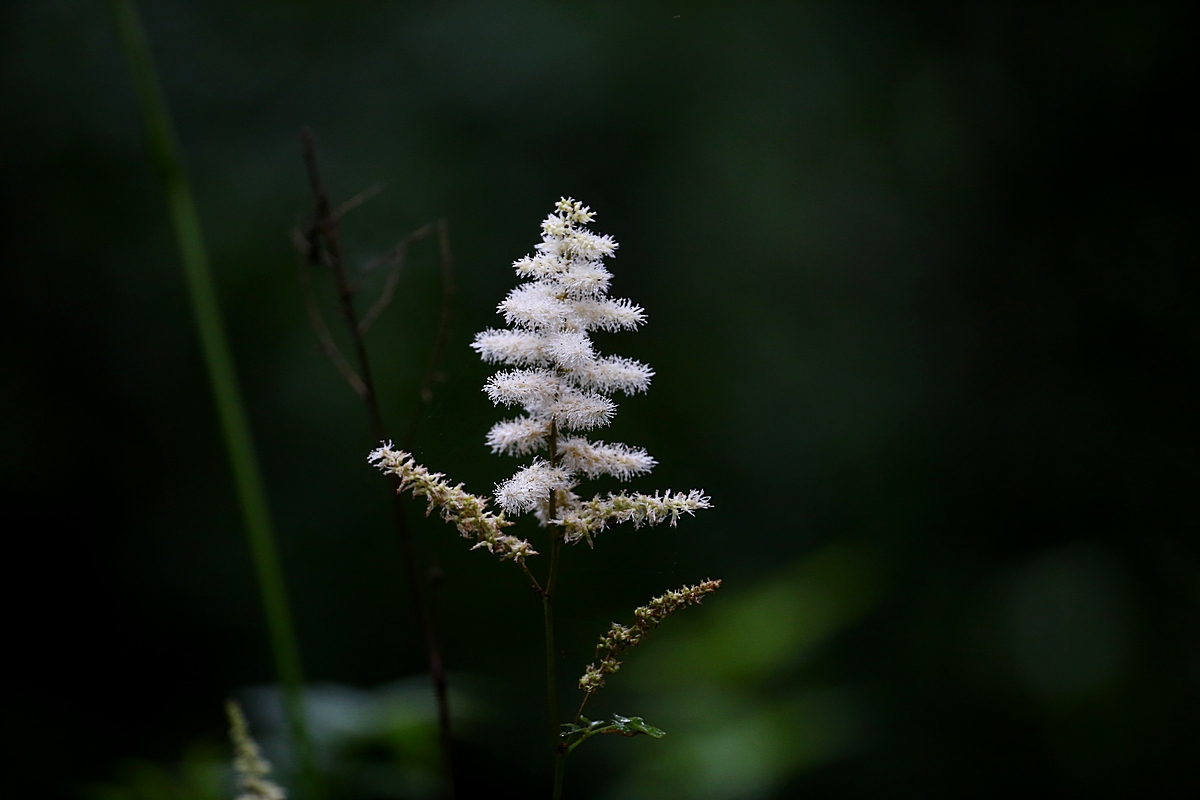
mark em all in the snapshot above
pixel 922 309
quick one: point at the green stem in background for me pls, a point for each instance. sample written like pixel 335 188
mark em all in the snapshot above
pixel 235 427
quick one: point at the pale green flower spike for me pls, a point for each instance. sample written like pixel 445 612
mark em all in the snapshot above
pixel 465 511
pixel 621 638
pixel 251 768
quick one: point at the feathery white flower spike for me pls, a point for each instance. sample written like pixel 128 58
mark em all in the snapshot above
pixel 563 385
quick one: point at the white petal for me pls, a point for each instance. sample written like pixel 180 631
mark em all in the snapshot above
pixel 584 279
pixel 531 486
pixel 578 411
pixel 573 210
pixel 570 349
pixel 597 458
pixel 589 246
pixel 607 314
pixel 516 437
pixel 534 305
pixel 517 348
pixel 531 388
pixel 539 266
pixel 613 373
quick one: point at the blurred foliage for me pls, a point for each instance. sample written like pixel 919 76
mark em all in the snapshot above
pixel 734 690
pixel 921 299
pixel 379 743
pixel 203 773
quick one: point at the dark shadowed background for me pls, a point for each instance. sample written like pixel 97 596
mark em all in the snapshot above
pixel 922 311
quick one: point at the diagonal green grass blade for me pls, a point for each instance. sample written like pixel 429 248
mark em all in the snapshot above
pixel 168 163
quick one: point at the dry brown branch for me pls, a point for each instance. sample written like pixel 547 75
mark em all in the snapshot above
pixel 321 243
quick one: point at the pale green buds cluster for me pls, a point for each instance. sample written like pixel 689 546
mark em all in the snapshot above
pixel 248 763
pixel 621 637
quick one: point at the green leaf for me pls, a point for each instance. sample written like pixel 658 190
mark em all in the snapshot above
pixel 633 726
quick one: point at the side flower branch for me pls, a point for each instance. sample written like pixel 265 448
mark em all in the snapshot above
pixel 621 638
pixel 467 512
pixel 582 519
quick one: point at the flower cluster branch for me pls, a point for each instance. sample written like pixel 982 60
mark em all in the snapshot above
pixel 582 519
pixel 621 637
pixel 467 512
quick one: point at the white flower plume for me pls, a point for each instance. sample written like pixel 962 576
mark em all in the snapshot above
pixel 597 458
pixel 563 385
pixel 516 437
pixel 555 375
pixel 530 486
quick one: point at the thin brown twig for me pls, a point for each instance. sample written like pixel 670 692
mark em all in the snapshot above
pixel 398 255
pixel 579 713
pixel 536 586
pixel 445 318
pixel 323 230
pixel 385 297
pixel 324 336
pixel 356 201
pixel 391 255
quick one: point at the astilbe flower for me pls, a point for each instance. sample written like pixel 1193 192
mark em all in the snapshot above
pixel 564 385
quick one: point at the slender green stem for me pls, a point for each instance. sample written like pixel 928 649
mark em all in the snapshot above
pixel 556 543
pixel 589 735
pixel 548 597
pixel 235 427
pixel 560 766
pixel 560 750
pixel 586 696
pixel 537 587
pixel 551 689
